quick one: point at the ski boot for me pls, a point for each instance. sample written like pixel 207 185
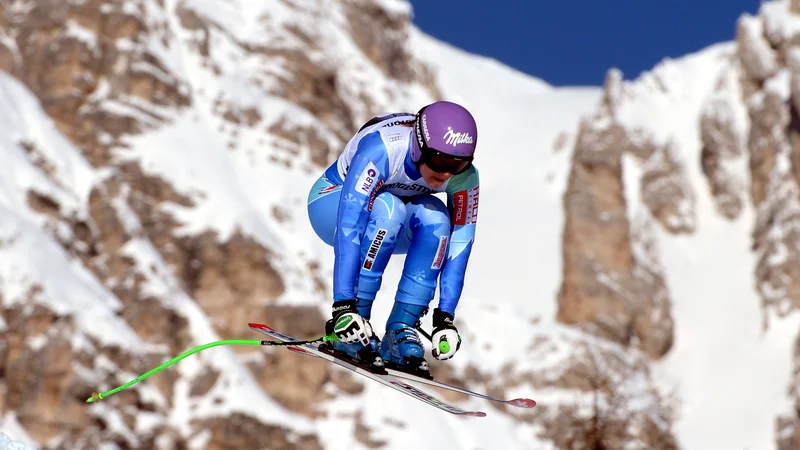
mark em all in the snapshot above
pixel 366 357
pixel 401 350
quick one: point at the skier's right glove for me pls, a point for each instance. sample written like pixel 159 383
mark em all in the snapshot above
pixel 347 323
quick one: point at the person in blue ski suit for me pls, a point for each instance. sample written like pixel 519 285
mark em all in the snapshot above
pixel 378 199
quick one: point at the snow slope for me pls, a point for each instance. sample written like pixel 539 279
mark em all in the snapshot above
pixel 731 376
pixel 236 189
pixel 6 443
pixel 519 118
pixel 718 339
pixel 31 257
pixel 522 179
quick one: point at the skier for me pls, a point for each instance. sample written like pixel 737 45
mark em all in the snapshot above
pixel 377 200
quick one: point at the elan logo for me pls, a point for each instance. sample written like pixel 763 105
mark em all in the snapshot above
pixel 440 253
pixel 453 138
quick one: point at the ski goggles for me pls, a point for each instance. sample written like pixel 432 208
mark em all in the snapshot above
pixel 442 162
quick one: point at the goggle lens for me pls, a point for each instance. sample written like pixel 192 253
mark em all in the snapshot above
pixel 444 163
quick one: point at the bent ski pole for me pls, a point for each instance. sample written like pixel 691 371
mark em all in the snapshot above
pixel 97 396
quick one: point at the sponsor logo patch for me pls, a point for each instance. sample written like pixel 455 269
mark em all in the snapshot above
pixel 440 253
pixel 374 194
pixel 367 179
pixel 465 207
pixel 425 127
pixel 328 189
pixel 374 247
pixel 454 138
pixel 410 187
pixel 459 208
pixel 473 206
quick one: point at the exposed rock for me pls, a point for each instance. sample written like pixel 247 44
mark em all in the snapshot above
pixel 229 280
pixel 758 59
pixel 79 57
pixel 292 136
pixel 603 285
pixel 775 194
pixel 107 70
pixel 666 192
pixel 311 80
pixel 38 373
pixel 749 127
pixel 615 403
pixel 651 315
pixel 43 378
pixel 723 147
pixel 382 35
pixel 245 432
pixel 787 426
pixel 295 381
pixel 364 434
pixel 769 119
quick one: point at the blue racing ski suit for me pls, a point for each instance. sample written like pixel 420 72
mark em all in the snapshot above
pixel 372 202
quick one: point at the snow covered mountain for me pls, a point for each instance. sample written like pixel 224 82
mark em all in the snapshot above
pixel 633 271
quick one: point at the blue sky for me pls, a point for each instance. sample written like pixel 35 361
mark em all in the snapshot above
pixel 574 42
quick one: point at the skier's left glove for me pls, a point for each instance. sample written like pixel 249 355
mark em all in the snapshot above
pixel 445 339
pixel 347 323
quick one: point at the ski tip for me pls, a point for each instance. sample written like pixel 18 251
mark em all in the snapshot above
pixel 522 403
pixel 475 413
pixel 259 326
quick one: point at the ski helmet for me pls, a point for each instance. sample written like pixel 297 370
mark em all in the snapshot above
pixel 444 127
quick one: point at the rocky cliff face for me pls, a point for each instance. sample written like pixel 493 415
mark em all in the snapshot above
pixel 108 71
pixel 611 282
pixel 746 130
pixel 284 87
pixel 770 74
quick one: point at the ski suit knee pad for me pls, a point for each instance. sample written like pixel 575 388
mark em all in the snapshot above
pixel 386 222
pixel 429 225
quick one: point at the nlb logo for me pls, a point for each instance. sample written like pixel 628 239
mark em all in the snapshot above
pixel 367 179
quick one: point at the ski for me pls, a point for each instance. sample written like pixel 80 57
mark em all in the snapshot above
pixel 391 381
pixel 517 402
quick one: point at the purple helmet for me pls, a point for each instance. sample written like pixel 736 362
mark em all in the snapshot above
pixel 447 127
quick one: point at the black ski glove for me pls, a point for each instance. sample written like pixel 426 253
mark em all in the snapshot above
pixel 445 339
pixel 347 323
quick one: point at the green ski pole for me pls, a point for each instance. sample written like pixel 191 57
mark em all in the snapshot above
pixel 97 396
